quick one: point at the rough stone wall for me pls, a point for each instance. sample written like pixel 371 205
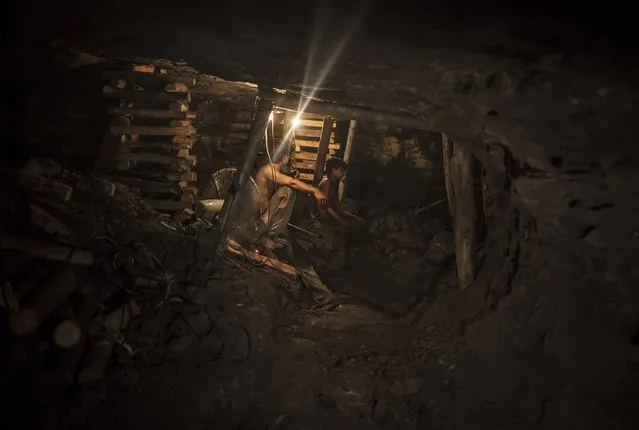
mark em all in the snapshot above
pixel 395 167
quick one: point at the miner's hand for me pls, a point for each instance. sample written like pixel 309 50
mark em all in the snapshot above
pixel 320 196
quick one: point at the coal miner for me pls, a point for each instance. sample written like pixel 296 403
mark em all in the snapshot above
pixel 269 203
pixel 332 210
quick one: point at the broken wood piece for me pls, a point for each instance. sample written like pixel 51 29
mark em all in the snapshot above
pixel 152 113
pixel 51 225
pixel 47 251
pixel 176 87
pixel 40 184
pixel 150 130
pixel 257 258
pixel 42 302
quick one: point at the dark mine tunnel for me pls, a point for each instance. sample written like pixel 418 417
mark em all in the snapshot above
pixel 319 215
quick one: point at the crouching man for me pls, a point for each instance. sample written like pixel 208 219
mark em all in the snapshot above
pixel 270 203
pixel 332 210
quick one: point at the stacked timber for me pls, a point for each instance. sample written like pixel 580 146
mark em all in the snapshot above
pixel 307 142
pixel 151 129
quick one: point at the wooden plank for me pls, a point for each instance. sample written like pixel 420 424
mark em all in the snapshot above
pixel 322 151
pixel 150 130
pixel 161 146
pixel 315 123
pixel 146 79
pixel 309 165
pixel 176 87
pixel 305 156
pixel 155 159
pixel 352 130
pixel 307 177
pixel 151 113
pixel 303 133
pixel 168 205
pixel 314 144
pixel 180 123
pixel 462 166
pixel 39 184
pixel 149 186
pixel 142 96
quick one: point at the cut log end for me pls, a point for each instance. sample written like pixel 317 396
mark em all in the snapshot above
pixel 67 334
pixel 23 322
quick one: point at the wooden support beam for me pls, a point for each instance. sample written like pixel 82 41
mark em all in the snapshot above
pixel 150 130
pixel 322 151
pixel 359 113
pixel 348 149
pixel 448 150
pixel 151 113
pixel 144 96
pixel 463 168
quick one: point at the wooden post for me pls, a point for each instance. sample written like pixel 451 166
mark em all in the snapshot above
pixel 352 129
pixel 448 150
pixel 322 150
pixel 463 168
pixel 289 133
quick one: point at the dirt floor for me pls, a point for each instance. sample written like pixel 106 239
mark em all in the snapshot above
pixel 398 347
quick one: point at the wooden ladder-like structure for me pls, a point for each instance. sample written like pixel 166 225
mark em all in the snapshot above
pixel 150 127
pixel 307 141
